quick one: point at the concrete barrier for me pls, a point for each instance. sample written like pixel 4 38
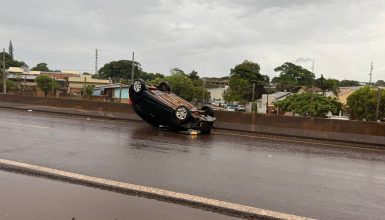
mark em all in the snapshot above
pixel 340 130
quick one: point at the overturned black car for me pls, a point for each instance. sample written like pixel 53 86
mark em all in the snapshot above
pixel 160 107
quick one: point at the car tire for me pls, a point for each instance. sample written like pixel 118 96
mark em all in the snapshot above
pixel 208 110
pixel 182 113
pixel 164 86
pixel 138 86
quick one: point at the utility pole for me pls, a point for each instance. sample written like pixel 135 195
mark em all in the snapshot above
pixel 267 103
pixel 120 92
pixel 53 81
pixel 371 73
pixel 252 98
pixel 25 79
pixel 203 89
pixel 4 74
pixel 378 101
pixel 96 62
pixel 84 87
pixel 133 66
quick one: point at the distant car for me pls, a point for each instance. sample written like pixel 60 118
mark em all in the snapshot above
pixel 241 108
pixel 230 108
pixel 160 107
pixel 216 103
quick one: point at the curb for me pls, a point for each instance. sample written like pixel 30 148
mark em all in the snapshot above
pixel 221 207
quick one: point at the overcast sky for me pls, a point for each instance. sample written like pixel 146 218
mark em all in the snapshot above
pixel 342 36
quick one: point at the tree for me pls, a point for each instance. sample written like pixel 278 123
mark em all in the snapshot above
pixel 11 85
pixel 292 77
pixel 86 74
pixel 176 70
pixel 180 84
pixel 380 83
pixel 239 88
pixel 309 104
pixel 150 76
pixel 88 91
pixel 363 103
pixel 199 93
pixel 121 69
pixel 41 67
pixel 193 75
pixel 45 83
pixel 10 62
pixel 242 78
pixel 328 85
pixel 348 83
pixel 10 49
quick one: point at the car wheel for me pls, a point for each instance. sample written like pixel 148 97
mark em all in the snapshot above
pixel 138 86
pixel 208 110
pixel 164 86
pixel 182 113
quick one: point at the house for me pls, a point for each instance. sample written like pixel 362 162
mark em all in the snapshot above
pixel 76 84
pixel 15 70
pixel 218 83
pixel 345 92
pixel 216 94
pixel 269 99
pixel 113 92
pixel 60 75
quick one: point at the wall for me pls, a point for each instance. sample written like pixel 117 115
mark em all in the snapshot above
pixel 83 107
pixel 341 130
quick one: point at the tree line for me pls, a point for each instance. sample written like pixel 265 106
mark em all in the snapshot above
pixel 363 104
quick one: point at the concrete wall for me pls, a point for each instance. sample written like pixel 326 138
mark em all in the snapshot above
pixel 92 108
pixel 341 130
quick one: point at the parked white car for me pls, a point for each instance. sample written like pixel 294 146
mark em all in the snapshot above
pixel 230 108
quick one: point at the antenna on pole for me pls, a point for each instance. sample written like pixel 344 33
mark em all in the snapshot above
pixel 96 61
pixel 312 70
pixel 371 72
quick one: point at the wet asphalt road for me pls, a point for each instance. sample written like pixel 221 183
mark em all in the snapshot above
pixel 311 180
pixel 33 198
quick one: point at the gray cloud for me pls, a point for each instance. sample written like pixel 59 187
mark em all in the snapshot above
pixel 208 36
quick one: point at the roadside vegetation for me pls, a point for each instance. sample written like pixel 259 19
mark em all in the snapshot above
pixel 46 84
pixel 309 104
pixel 363 103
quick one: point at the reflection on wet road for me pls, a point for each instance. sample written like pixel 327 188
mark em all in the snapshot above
pixel 298 178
